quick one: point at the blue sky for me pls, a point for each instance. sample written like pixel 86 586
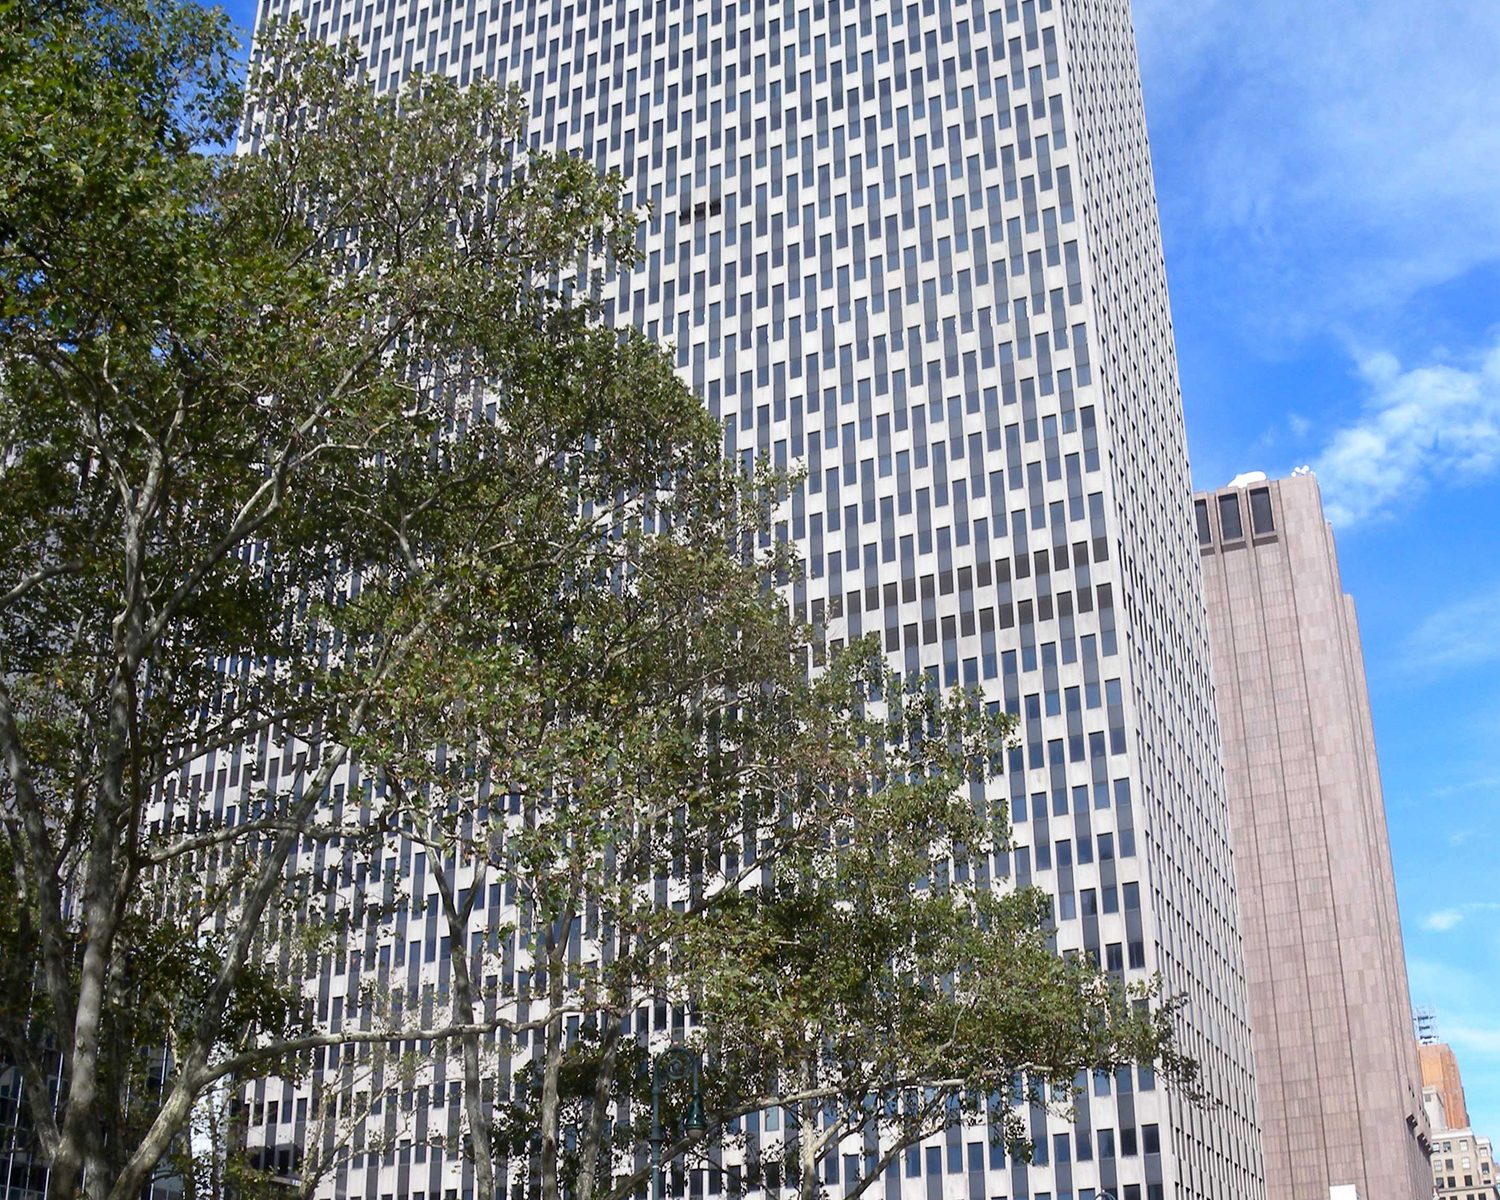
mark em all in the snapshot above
pixel 1329 176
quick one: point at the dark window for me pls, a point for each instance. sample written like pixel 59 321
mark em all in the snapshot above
pixel 1205 534
pixel 1229 518
pixel 1261 518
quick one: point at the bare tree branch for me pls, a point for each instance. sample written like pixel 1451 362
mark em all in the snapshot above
pixel 38 577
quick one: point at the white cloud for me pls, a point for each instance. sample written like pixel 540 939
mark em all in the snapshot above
pixel 1445 919
pixel 1417 426
pixel 1444 986
pixel 1475 1038
pixel 1463 635
pixel 1340 155
pixel 1465 786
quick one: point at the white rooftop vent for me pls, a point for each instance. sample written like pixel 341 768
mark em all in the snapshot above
pixel 1246 479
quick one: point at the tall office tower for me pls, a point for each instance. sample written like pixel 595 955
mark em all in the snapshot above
pixel 914 246
pixel 1336 1067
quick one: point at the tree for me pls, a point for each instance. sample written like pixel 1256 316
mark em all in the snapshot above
pixel 273 426
pixel 793 871
pixel 322 460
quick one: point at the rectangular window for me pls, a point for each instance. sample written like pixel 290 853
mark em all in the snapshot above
pixel 1229 518
pixel 1205 534
pixel 1261 518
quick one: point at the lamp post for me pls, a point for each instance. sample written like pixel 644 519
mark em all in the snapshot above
pixel 676 1063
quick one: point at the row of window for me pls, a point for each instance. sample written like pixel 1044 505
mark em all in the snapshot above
pixel 1231 518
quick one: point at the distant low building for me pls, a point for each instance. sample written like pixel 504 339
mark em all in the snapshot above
pixel 1463 1163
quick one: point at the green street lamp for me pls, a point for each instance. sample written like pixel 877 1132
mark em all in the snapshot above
pixel 675 1063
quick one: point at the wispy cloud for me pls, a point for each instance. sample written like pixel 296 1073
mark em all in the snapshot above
pixel 1444 986
pixel 1462 635
pixel 1341 152
pixel 1418 426
pixel 1445 919
pixel 1482 781
pixel 1471 1037
pixel 1462 996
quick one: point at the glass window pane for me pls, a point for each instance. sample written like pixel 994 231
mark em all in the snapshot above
pixel 1205 534
pixel 1261 518
pixel 1229 518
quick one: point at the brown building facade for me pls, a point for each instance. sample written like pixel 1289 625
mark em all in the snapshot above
pixel 1463 1163
pixel 1440 1071
pixel 1336 1069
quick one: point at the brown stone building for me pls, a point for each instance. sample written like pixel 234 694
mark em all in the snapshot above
pixel 1440 1071
pixel 1463 1163
pixel 1336 1068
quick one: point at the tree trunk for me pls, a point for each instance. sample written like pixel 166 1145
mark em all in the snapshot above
pixel 193 1073
pixel 807 1139
pixel 591 1152
pixel 478 1117
pixel 95 1180
pixel 41 877
pixel 552 1075
pixel 77 1144
pixel 557 939
pixel 170 1120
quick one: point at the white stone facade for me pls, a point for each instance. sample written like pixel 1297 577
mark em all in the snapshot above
pixel 914 247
